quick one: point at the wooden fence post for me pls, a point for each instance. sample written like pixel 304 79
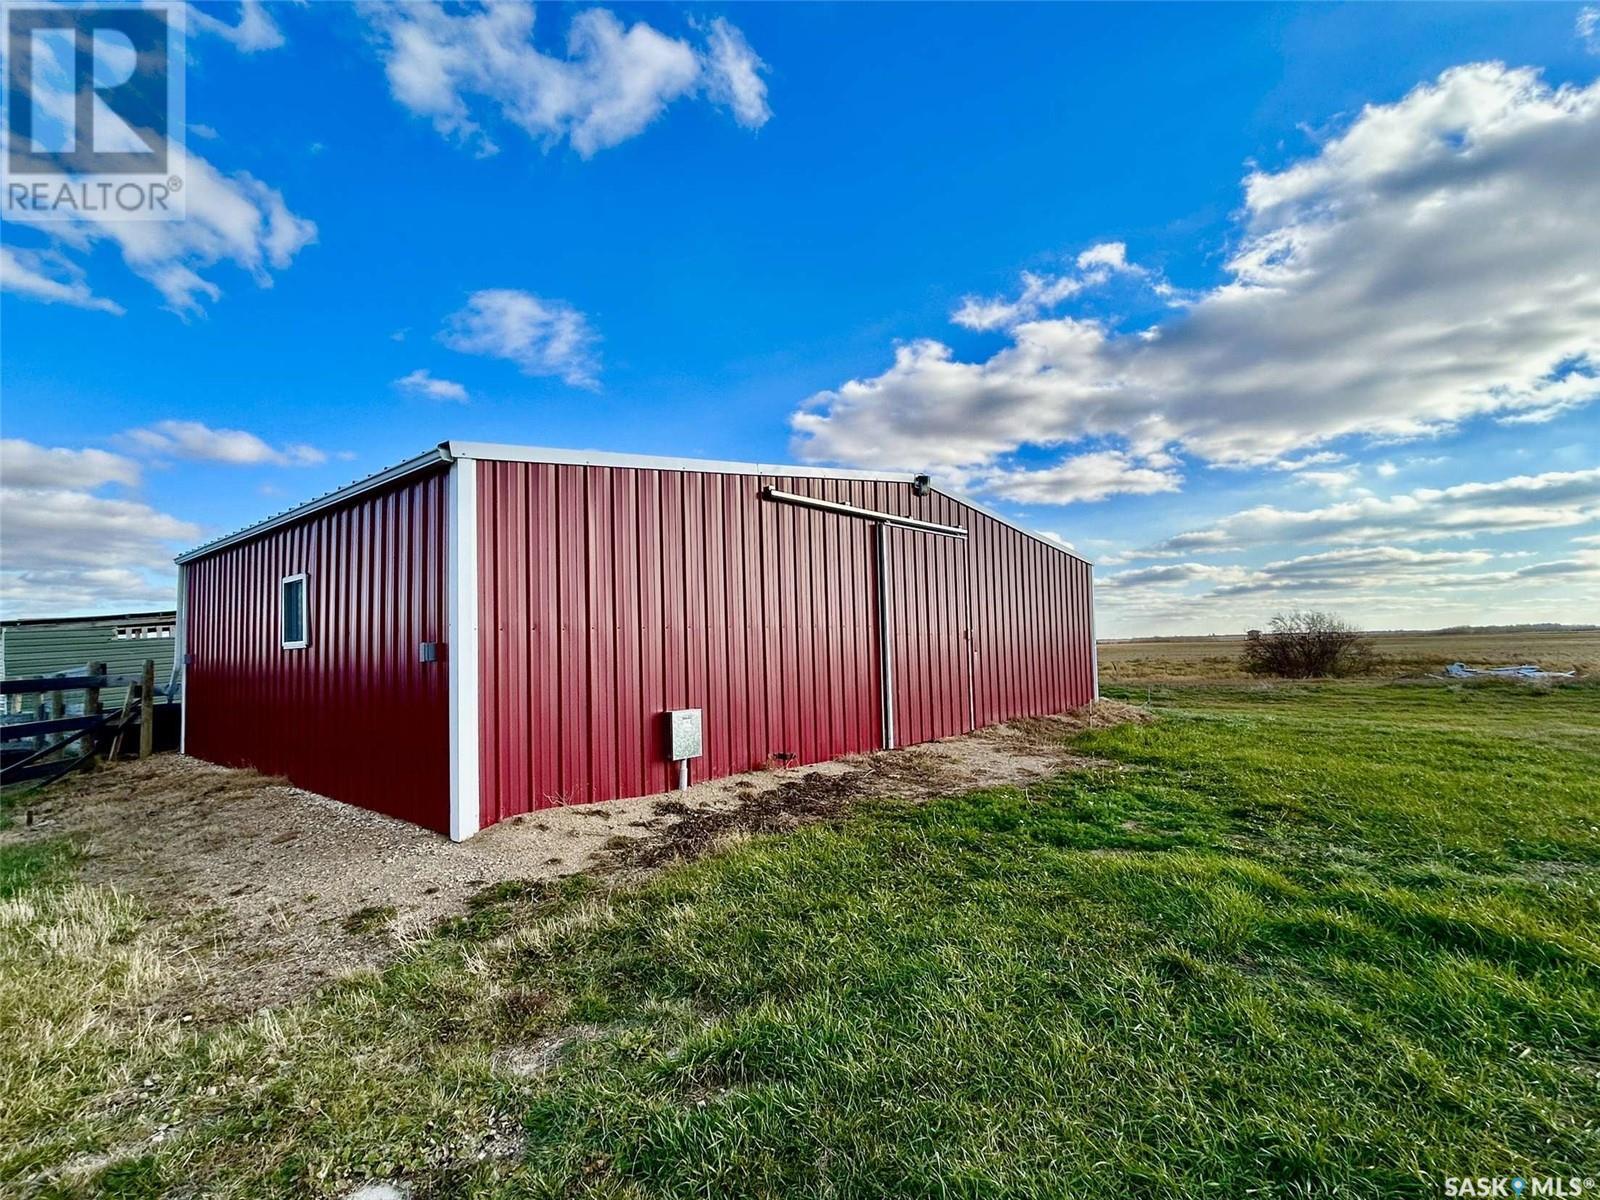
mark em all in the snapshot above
pixel 93 708
pixel 40 713
pixel 58 709
pixel 147 709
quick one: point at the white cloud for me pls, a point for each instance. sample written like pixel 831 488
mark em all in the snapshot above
pixel 1379 586
pixel 1336 481
pixel 1092 476
pixel 1422 268
pixel 1587 27
pixel 1170 573
pixel 421 383
pixel 1336 571
pixel 194 441
pixel 50 277
pixel 254 31
pixel 23 464
pixel 1110 255
pixel 1588 539
pixel 60 527
pixel 83 591
pixel 67 550
pixel 733 75
pixel 1585 564
pixel 543 337
pixel 1041 293
pixel 234 219
pixel 613 82
pixel 1317 459
pixel 1553 500
pixel 230 219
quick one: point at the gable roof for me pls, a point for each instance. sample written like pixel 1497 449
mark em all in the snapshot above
pixel 447 452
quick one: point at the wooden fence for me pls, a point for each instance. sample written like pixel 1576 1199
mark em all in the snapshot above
pixel 52 731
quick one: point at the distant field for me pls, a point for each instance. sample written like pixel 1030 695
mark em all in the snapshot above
pixel 1158 659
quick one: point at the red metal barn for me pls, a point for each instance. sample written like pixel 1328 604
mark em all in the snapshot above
pixel 488 630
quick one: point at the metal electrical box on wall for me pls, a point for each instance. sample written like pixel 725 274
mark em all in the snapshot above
pixel 683 733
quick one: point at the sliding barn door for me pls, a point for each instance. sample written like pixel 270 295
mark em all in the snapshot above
pixel 929 624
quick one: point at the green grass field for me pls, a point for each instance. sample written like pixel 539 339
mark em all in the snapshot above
pixel 1292 941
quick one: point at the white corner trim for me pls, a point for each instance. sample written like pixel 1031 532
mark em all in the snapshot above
pixel 180 668
pixel 461 646
pixel 1094 641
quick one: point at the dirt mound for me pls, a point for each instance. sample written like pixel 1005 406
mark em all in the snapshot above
pixel 1020 752
pixel 813 796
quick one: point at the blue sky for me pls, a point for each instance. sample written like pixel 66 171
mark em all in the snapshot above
pixel 1259 306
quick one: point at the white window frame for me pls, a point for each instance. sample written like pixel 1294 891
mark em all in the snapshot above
pixel 305 612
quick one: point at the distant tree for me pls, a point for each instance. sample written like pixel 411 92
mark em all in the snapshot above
pixel 1306 645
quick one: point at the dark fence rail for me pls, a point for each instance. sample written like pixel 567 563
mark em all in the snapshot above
pixel 70 683
pixel 48 758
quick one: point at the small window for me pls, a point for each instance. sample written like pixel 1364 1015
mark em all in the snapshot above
pixel 294 613
pixel 135 633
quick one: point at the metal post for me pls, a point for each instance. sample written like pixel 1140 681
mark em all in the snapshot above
pixel 885 646
pixel 683 774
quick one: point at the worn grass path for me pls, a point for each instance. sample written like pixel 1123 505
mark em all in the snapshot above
pixel 1297 941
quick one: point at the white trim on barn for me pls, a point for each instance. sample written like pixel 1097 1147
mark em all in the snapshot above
pixel 1094 640
pixel 178 681
pixel 497 452
pixel 461 648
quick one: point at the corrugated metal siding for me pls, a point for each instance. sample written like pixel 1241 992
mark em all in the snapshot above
pixel 354 715
pixel 1032 645
pixel 929 614
pixel 31 650
pixel 610 594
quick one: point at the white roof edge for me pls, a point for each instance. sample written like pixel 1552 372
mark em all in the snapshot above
pixel 499 452
pixel 388 475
